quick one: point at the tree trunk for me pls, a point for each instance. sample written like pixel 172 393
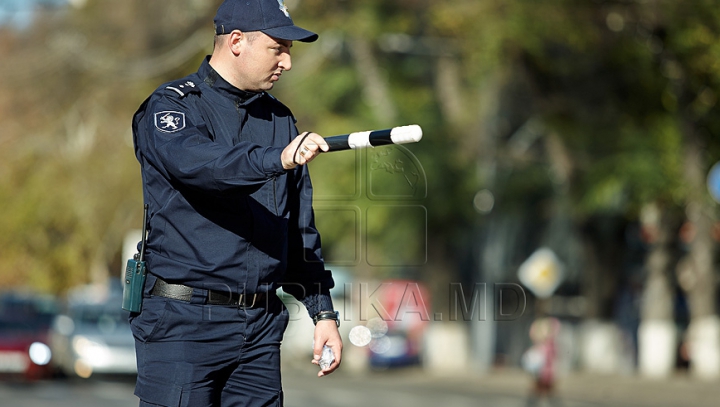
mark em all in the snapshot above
pixel 657 335
pixel 696 272
pixel 376 90
pixel 448 91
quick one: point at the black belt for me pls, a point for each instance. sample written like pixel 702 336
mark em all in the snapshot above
pixel 184 293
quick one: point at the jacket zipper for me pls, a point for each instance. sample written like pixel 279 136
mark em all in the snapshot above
pixel 275 196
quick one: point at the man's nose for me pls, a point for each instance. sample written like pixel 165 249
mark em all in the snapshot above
pixel 286 62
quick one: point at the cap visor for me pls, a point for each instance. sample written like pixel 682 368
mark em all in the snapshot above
pixel 291 33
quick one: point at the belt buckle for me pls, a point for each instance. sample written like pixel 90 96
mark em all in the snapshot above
pixel 241 300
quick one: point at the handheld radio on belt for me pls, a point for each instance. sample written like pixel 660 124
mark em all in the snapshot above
pixel 135 273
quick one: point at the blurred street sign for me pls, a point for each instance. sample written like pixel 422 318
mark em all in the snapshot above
pixel 541 273
pixel 713 182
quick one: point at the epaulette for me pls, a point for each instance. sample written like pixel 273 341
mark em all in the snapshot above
pixel 182 87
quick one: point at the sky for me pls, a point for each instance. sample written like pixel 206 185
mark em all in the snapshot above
pixel 19 13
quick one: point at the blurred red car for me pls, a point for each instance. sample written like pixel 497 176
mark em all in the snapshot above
pixel 398 333
pixel 25 322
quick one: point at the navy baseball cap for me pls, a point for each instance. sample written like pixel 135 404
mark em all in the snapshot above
pixel 269 16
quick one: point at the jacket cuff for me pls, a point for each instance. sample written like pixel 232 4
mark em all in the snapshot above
pixel 272 163
pixel 315 303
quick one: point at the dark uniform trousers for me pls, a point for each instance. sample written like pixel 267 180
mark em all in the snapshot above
pixel 194 354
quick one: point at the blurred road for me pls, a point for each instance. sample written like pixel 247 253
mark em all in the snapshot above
pixel 505 388
pixel 502 388
pixel 68 393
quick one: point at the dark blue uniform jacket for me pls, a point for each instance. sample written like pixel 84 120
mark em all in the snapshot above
pixel 223 213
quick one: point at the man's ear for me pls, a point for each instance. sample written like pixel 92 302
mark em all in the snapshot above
pixel 236 40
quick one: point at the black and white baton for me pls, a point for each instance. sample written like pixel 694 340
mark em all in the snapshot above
pixel 374 138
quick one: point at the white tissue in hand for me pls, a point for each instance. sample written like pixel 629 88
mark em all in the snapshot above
pixel 327 358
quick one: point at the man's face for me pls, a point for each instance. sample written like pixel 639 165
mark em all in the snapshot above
pixel 262 61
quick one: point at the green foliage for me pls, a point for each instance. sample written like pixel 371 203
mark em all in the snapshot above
pixel 618 83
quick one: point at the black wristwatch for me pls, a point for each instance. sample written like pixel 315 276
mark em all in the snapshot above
pixel 322 315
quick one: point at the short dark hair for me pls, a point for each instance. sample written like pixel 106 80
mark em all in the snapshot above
pixel 251 36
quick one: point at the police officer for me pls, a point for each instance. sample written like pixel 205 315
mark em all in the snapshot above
pixel 231 220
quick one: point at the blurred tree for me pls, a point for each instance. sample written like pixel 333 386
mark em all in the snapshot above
pixel 547 122
pixel 687 56
pixel 69 190
pixel 623 94
pixel 374 68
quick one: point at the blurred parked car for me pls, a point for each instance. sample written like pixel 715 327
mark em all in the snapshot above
pixel 25 321
pixel 93 335
pixel 397 336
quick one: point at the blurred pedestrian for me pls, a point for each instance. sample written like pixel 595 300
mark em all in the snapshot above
pixel 540 360
pixel 230 221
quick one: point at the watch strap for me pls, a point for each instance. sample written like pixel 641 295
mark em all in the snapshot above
pixel 323 315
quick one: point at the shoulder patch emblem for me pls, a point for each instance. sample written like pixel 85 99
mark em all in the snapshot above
pixel 169 121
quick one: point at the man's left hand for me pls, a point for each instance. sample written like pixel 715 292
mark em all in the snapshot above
pixel 326 333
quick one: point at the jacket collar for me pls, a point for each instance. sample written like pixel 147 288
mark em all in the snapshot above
pixel 215 81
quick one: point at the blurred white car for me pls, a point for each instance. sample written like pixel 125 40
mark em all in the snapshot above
pixel 93 337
